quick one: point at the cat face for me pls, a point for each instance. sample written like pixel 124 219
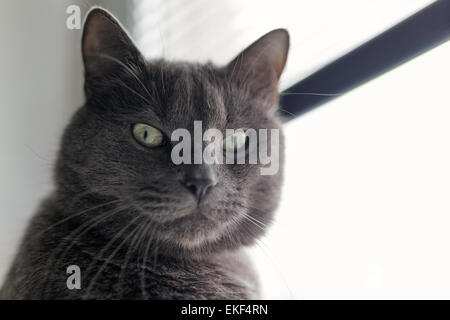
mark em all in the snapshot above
pixel 189 207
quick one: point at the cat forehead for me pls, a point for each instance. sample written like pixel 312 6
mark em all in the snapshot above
pixel 185 93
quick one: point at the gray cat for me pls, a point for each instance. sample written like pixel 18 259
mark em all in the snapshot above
pixel 137 225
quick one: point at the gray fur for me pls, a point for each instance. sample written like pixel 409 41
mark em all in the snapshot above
pixel 105 181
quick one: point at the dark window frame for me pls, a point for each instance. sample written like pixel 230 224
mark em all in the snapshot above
pixel 413 36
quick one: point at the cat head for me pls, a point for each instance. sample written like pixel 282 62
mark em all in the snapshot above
pixel 119 146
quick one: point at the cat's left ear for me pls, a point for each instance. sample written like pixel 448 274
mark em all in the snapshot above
pixel 258 68
pixel 107 49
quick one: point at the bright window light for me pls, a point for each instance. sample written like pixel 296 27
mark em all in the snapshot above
pixel 366 208
pixel 321 30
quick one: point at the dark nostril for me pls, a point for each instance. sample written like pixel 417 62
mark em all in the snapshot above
pixel 191 187
pixel 199 187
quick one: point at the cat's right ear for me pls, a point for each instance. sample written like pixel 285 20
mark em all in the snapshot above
pixel 106 47
pixel 258 68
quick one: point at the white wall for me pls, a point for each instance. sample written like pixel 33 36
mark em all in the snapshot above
pixel 41 85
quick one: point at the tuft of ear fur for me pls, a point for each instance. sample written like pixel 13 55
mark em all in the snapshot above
pixel 259 67
pixel 106 47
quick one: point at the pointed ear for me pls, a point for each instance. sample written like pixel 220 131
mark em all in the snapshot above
pixel 259 67
pixel 106 46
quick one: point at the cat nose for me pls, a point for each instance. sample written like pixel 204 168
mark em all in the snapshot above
pixel 199 180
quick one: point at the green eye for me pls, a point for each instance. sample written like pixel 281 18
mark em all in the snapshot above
pixel 147 135
pixel 234 141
